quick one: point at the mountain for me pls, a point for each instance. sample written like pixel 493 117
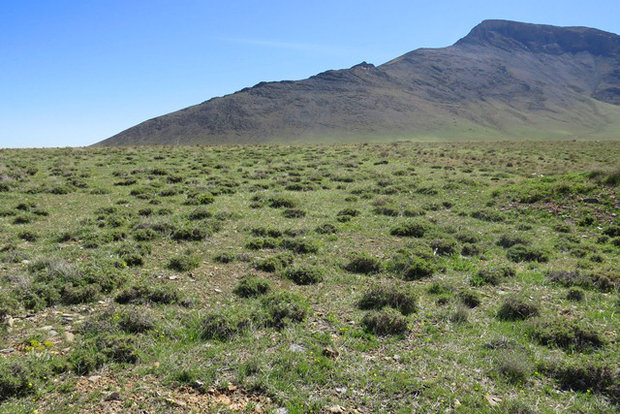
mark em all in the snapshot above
pixel 504 80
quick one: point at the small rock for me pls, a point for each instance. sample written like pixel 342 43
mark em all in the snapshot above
pixel 69 337
pixel 7 350
pixel 173 277
pixel 282 410
pixel 231 387
pixel 94 378
pixel 397 358
pixel 113 396
pixel 341 390
pixel 296 348
pixel 178 403
pixel 9 321
pixel 46 328
pixel 335 409
pixel 52 333
pixel 591 200
pixel 218 290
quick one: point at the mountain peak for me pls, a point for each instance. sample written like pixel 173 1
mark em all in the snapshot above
pixel 539 38
pixel 504 79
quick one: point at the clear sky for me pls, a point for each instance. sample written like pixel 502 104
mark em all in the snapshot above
pixel 73 72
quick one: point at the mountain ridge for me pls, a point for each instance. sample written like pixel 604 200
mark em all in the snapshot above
pixel 503 80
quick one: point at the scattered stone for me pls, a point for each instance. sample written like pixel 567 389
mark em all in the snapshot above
pixel 94 378
pixel 282 410
pixel 397 358
pixel 591 200
pixel 336 409
pixel 199 386
pixel 7 350
pixel 341 390
pixel 173 277
pixel 69 337
pixel 52 333
pixel 47 328
pixel 177 403
pixel 112 396
pixel 296 348
pixel 218 290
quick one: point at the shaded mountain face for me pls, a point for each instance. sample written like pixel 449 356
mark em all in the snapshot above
pixel 503 80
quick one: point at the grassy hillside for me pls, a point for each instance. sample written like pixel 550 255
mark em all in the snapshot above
pixel 388 278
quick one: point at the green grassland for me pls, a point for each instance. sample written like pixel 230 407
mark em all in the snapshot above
pixel 368 278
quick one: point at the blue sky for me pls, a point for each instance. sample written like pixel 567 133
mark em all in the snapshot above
pixel 75 72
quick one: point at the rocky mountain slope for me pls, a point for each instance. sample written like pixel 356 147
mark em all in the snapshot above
pixel 504 80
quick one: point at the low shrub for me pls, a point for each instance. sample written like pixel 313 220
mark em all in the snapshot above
pixel 603 281
pixel 467 237
pixel 190 233
pixel 304 275
pixel 299 246
pixel 199 213
pixel 469 298
pixel 145 235
pixel 385 322
pixel 351 212
pixel 516 367
pixel 508 240
pixel 275 263
pixel 364 263
pixel 410 229
pixel 223 325
pixel 135 320
pixel 587 377
pixel 252 286
pixel 93 353
pixel 460 315
pixel 147 293
pixel 283 308
pixel 195 199
pixel 294 213
pixel 521 253
pixel 184 262
pixel 224 257
pixel 8 303
pixel 401 298
pixel 513 309
pixel 444 246
pixel 575 294
pixel 15 379
pixel 568 335
pixel 417 268
pixel 326 228
pixel 492 275
pixel 262 243
pixel 265 232
pixel 281 202
pixel 492 216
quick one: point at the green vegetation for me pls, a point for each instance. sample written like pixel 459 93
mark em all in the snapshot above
pixel 384 278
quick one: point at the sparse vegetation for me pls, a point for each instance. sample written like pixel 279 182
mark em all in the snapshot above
pixel 308 277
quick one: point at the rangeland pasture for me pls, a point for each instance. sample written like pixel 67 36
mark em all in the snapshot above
pixel 387 278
